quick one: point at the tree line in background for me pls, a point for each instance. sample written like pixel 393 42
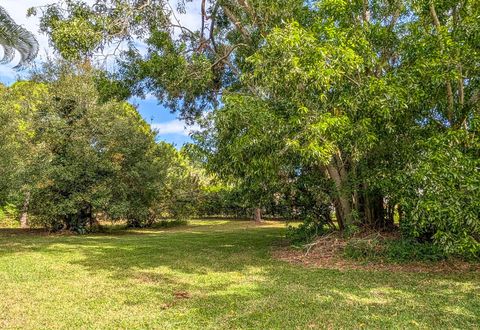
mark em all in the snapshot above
pixel 344 114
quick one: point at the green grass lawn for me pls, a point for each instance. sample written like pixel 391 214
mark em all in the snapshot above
pixel 214 275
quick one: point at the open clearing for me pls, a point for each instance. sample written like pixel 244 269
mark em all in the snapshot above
pixel 212 274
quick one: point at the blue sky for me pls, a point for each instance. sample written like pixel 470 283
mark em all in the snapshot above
pixel 169 128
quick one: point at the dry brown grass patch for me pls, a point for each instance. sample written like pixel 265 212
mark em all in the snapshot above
pixel 327 252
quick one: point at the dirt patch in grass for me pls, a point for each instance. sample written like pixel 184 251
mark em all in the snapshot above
pixel 182 295
pixel 327 252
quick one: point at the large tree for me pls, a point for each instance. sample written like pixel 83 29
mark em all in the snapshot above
pixel 68 158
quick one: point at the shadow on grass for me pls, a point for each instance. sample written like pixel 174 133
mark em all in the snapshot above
pixel 227 278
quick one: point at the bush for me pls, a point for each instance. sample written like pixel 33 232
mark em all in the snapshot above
pixel 404 250
pixel 306 232
pixel 441 196
pixel 8 216
pixel 392 250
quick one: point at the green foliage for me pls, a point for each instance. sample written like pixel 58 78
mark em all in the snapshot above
pixel 240 131
pixel 19 104
pixel 8 216
pixel 77 30
pixel 109 88
pixel 364 249
pixel 441 196
pixel 79 157
pixel 306 232
pixel 407 250
pixel 392 250
pixel 178 196
pixel 217 199
pixel 94 158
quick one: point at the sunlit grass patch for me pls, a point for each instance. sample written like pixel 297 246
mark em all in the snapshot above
pixel 213 274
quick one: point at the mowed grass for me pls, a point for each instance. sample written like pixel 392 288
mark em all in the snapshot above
pixel 211 275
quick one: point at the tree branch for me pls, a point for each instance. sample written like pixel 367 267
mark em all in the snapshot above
pixel 236 22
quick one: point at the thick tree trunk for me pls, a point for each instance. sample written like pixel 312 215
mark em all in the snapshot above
pixel 257 214
pixel 24 217
pixel 339 214
pixel 342 201
pixel 376 211
pixel 24 220
pixel 372 209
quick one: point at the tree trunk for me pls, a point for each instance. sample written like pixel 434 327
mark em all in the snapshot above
pixel 338 214
pixel 341 202
pixel 24 217
pixel 377 211
pixel 257 215
pixel 372 209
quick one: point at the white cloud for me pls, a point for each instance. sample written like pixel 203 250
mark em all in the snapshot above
pixel 174 127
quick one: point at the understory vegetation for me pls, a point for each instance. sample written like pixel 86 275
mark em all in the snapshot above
pixel 374 249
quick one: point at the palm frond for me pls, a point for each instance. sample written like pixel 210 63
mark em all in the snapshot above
pixel 15 37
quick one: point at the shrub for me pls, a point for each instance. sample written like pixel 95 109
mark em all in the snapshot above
pixel 8 216
pixel 441 196
pixel 306 232
pixel 392 250
pixel 404 250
